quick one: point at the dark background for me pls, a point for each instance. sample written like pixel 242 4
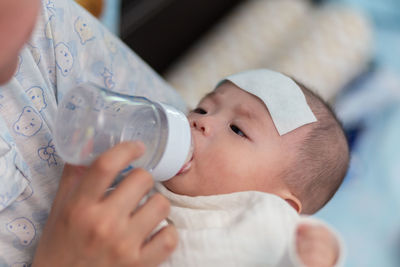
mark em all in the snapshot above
pixel 162 30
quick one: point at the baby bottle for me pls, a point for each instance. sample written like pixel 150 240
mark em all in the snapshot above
pixel 90 120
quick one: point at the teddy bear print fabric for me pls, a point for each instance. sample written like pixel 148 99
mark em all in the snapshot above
pixel 67 47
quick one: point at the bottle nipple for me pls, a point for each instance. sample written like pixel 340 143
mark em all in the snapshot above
pixel 186 166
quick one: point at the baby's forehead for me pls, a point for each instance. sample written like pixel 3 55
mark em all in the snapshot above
pixel 240 101
pixel 227 91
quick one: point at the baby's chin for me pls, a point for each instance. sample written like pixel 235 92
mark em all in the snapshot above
pixel 180 184
pixel 174 184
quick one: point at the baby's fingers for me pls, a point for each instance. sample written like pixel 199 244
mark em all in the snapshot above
pixel 316 245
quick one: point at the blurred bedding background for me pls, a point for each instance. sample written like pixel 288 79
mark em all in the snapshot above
pixel 366 209
pixel 346 50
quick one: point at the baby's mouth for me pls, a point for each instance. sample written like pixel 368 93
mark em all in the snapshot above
pixel 185 167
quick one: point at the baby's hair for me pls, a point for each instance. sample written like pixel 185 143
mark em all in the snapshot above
pixel 322 158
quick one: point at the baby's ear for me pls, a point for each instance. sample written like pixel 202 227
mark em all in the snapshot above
pixel 295 203
pixel 291 199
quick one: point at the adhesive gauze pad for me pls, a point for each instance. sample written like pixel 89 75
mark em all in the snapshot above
pixel 283 97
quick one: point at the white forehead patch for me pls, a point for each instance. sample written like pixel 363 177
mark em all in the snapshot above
pixel 282 96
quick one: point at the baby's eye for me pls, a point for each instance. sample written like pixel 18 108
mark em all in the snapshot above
pixel 237 130
pixel 200 111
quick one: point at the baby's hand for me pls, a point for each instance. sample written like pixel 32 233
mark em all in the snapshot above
pixel 316 246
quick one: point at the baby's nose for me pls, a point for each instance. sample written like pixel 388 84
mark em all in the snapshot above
pixel 201 125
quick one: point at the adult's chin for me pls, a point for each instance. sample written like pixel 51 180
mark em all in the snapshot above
pixel 7 71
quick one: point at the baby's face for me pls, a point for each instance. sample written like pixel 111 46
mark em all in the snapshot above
pixel 236 147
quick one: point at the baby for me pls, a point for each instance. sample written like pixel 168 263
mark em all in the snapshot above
pixel 263 154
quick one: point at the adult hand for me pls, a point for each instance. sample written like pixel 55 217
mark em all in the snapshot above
pixel 87 227
pixel 316 246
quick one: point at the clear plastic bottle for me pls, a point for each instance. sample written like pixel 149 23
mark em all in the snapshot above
pixel 90 120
